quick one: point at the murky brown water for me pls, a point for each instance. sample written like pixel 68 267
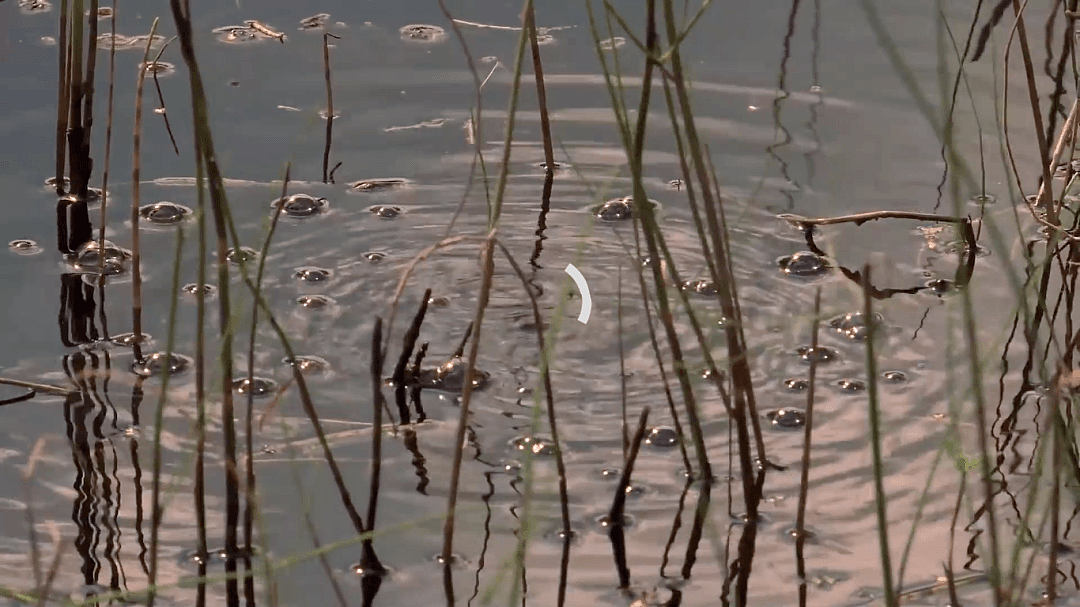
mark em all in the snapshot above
pixel 844 136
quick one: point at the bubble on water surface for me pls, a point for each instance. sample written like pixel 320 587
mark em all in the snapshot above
pixel 450 377
pixel 300 205
pixel 662 437
pixel 385 211
pixel 941 286
pixel 820 354
pixel 214 556
pixel 374 256
pixel 242 254
pixel 537 445
pixel 161 362
pixel 796 384
pixel 193 289
pixel 257 386
pixel 792 534
pixel 314 302
pixel 104 12
pixel 618 209
pixel 705 288
pixel 983 199
pixel 786 418
pixel 371 186
pixel 314 22
pixel 560 535
pixel 605 523
pixel 803 264
pixel 158 68
pixel 851 385
pixel 438 301
pixel 90 255
pixel 854 325
pixel 676 184
pixel 612 43
pixel 369 570
pixel 419 32
pixel 33 7
pixel 164 212
pixel 894 377
pixel 24 246
pixel 457 561
pixel 308 364
pixel 558 166
pixel 128 339
pixel 312 274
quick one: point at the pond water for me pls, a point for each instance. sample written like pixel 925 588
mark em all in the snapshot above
pixel 803 113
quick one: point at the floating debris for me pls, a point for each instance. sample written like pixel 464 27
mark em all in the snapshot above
pixel 158 68
pixel 612 43
pixel 314 22
pixel 33 7
pixel 426 34
pixel 378 185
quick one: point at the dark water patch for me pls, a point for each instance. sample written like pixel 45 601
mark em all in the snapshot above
pixel 158 68
pixel 854 325
pixel 537 445
pixel 164 213
pixel 820 354
pixel 374 256
pixel 242 254
pixel 161 362
pixel 803 264
pixel 193 289
pixel 34 7
pixel 312 275
pixel 662 437
pixel 385 211
pixel 24 246
pixel 373 186
pixel 894 377
pixel 422 33
pixel 256 386
pixel 796 384
pixel 314 22
pixel 128 339
pixel 308 365
pixel 612 43
pixel 786 418
pixel 314 302
pixel 851 385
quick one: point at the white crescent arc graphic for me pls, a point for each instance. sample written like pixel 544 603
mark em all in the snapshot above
pixel 586 298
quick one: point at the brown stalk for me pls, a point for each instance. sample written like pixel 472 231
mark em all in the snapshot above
pixel 329 105
pixel 1045 198
pixel 62 97
pixel 31 523
pixel 399 378
pixel 108 138
pixel 161 97
pixel 370 562
pixel 541 93
pixel 136 274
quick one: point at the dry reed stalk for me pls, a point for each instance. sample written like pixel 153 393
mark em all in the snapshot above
pixel 541 92
pixel 62 91
pixel 108 140
pixel 161 97
pixel 1045 197
pixel 199 482
pixel 136 272
pixel 329 105
pixel 488 269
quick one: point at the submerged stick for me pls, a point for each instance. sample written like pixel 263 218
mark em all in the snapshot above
pixel 329 105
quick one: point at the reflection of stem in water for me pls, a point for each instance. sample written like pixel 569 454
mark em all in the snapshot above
pixel 676 524
pixel 819 102
pixel 616 516
pixel 804 476
pixel 377 404
pixel 482 559
pixel 778 105
pixel 418 460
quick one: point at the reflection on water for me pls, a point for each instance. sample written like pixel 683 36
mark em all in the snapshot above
pixel 841 137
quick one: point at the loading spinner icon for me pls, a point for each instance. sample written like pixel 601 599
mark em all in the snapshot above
pixel 586 298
